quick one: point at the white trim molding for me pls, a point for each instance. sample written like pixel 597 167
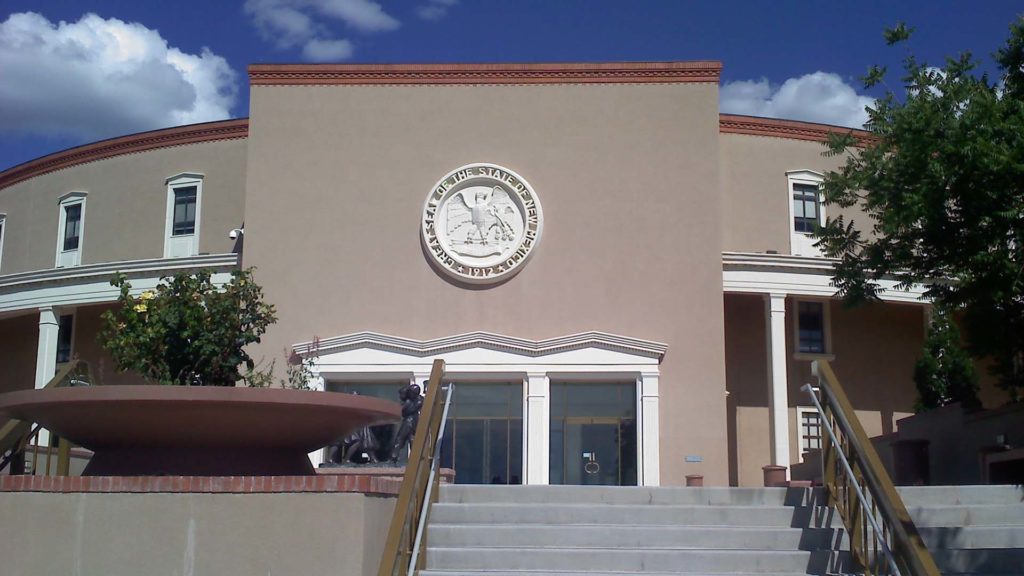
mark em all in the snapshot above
pixel 483 357
pixel 801 243
pixel 488 340
pixel 71 257
pixel 757 273
pixel 90 284
pixel 182 245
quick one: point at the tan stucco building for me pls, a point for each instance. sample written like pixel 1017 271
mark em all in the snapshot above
pixel 619 277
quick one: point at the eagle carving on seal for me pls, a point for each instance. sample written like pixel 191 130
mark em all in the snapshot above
pixel 480 221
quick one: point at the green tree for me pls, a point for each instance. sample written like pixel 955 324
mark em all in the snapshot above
pixel 945 373
pixel 188 331
pixel 941 180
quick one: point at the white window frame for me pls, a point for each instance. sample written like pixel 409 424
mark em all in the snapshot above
pixel 3 232
pixel 801 243
pixel 66 258
pixel 800 436
pixel 826 321
pixel 187 244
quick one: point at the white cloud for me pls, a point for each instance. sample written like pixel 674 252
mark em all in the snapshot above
pixel 435 9
pixel 305 24
pixel 101 77
pixel 327 50
pixel 819 97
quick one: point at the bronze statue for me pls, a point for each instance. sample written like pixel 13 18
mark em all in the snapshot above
pixel 411 398
pixel 356 443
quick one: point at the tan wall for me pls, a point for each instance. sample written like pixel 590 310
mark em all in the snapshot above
pixel 183 534
pixel 336 185
pixel 875 349
pixel 19 337
pixel 755 189
pixel 126 206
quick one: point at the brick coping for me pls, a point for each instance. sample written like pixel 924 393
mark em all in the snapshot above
pixel 345 483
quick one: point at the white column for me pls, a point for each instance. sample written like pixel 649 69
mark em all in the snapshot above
pixel 650 431
pixel 537 422
pixel 46 355
pixel 778 394
pixel 316 383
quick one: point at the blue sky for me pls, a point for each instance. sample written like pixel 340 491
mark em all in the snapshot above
pixel 73 72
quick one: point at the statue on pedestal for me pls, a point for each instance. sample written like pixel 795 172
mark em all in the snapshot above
pixel 411 397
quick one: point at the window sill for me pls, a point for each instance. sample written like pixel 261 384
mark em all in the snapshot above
pixel 811 356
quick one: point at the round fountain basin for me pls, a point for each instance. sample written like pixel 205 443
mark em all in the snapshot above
pixel 197 430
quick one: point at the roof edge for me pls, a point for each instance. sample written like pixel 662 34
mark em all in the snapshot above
pixel 791 129
pixel 130 144
pixel 496 73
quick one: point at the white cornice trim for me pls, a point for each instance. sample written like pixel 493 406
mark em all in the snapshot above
pixel 753 272
pixel 73 195
pixel 486 340
pixel 90 283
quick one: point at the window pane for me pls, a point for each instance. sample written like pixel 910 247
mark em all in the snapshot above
pixel 805 207
pixel 184 211
pixel 811 324
pixel 64 330
pixel 72 225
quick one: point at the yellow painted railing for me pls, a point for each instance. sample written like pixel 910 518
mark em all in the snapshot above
pixel 18 438
pixel 883 537
pixel 420 484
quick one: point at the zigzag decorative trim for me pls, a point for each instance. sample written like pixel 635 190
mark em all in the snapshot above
pixel 559 73
pixel 487 340
pixel 165 138
pixel 792 129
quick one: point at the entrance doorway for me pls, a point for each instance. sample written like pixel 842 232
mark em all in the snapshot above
pixel 593 434
pixel 483 439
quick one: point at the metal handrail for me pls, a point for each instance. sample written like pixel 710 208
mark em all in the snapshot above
pixel 419 486
pixel 883 537
pixel 16 436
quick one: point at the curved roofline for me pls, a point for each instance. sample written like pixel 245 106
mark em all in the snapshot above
pixel 130 144
pixel 239 128
pixel 494 73
pixel 791 129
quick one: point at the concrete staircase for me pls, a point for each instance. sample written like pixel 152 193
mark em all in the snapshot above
pixel 971 529
pixel 575 530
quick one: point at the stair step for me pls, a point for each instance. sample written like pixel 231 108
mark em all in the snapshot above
pixel 657 560
pixel 634 537
pixel 468 494
pixel 1001 494
pixel 972 537
pixel 675 515
pixel 967 515
pixel 980 560
pixel 604 573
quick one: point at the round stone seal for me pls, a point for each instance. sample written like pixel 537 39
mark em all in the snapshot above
pixel 481 223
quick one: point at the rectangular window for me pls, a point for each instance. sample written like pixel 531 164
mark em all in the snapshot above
pixel 64 331
pixel 184 211
pixel 72 226
pixel 810 430
pixel 811 326
pixel 3 220
pixel 806 208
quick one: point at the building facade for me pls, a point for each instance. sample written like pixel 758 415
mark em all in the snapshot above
pixel 620 278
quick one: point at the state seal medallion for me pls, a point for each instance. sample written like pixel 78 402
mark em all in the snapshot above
pixel 481 223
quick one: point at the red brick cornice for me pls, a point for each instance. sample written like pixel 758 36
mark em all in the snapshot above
pixel 792 129
pixel 167 137
pixel 546 73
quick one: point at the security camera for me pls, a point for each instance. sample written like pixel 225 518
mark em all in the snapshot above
pixel 234 234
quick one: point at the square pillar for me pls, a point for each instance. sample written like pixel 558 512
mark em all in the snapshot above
pixel 778 392
pixel 537 423
pixel 649 440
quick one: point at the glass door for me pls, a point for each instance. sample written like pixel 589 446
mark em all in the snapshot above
pixel 593 434
pixel 483 439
